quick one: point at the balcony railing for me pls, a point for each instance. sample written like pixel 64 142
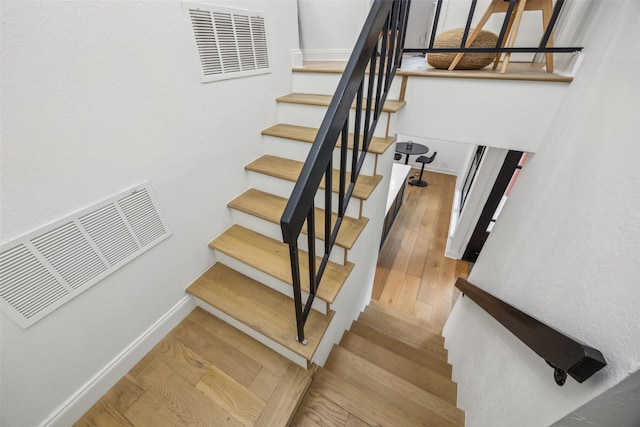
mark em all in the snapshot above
pixel 504 44
pixel 364 93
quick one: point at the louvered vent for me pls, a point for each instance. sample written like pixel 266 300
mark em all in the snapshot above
pixel 42 270
pixel 231 43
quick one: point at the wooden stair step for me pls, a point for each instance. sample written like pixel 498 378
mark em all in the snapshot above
pixel 259 307
pixel 289 170
pixel 384 385
pixel 395 312
pixel 272 257
pixel 390 106
pixel 359 402
pixel 269 207
pixel 406 369
pixel 282 405
pixel 378 145
pixel 408 352
pixel 408 333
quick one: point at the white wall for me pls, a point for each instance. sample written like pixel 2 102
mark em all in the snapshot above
pixel 98 97
pixel 566 247
pixel 482 112
pixel 329 28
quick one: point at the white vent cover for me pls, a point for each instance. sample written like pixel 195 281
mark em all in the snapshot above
pixel 230 42
pixel 48 267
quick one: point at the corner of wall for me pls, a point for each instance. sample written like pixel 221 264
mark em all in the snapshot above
pixel 74 407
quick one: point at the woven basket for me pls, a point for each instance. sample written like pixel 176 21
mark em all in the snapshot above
pixel 470 61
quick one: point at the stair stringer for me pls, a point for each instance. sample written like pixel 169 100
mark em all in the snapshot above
pixel 356 291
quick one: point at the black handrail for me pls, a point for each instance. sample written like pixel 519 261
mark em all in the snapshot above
pixel 566 355
pixel 499 47
pixel 384 27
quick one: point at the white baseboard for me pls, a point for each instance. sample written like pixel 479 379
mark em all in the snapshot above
pixel 74 407
pixel 296 58
pixel 326 54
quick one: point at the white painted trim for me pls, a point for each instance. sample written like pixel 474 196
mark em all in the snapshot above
pixel 296 58
pixel 326 54
pixel 74 407
pixel 277 347
pixel 483 183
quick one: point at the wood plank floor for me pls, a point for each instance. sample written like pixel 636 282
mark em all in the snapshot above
pixel 204 373
pixel 412 274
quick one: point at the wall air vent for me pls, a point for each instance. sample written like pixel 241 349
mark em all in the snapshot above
pixel 44 269
pixel 230 42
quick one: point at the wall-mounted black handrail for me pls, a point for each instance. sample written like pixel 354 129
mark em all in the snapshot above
pixel 565 354
pixel 383 30
pixel 499 47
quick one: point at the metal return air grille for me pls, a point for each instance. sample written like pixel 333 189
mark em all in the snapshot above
pixel 231 43
pixel 42 270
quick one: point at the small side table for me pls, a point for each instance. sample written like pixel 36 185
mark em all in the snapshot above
pixel 410 148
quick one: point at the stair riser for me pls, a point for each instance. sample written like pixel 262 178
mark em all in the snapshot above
pixel 298 150
pixel 326 84
pixel 270 281
pixel 312 116
pixel 273 230
pixel 283 351
pixel 283 188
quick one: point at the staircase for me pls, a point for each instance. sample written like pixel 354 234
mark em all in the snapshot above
pixel 389 369
pixel 236 357
pixel 382 357
pixel 250 285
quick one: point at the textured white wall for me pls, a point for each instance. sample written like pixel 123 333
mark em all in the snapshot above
pixel 482 112
pixel 329 28
pixel 565 249
pixel 98 97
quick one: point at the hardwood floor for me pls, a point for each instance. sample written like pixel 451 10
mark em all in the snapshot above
pixel 204 373
pixel 412 274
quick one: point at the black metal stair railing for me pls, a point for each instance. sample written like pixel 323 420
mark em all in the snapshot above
pixel 383 30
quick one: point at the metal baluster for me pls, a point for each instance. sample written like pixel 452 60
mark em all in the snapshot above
pixel 327 205
pixel 297 293
pixel 436 20
pixel 311 239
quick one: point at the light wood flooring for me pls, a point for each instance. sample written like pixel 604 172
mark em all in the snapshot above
pixel 516 71
pixel 204 373
pixel 412 274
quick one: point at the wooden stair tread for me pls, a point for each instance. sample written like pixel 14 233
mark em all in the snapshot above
pixel 394 390
pixel 406 332
pixel 406 369
pixel 289 170
pixel 270 207
pixel 378 145
pixel 272 257
pixel 397 313
pixel 408 352
pixel 282 405
pixel 390 106
pixel 359 402
pixel 259 307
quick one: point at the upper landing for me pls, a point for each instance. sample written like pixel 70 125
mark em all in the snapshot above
pixel 415 66
pixel 480 107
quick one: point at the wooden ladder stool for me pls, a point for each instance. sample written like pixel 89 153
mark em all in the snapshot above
pixel 501 6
